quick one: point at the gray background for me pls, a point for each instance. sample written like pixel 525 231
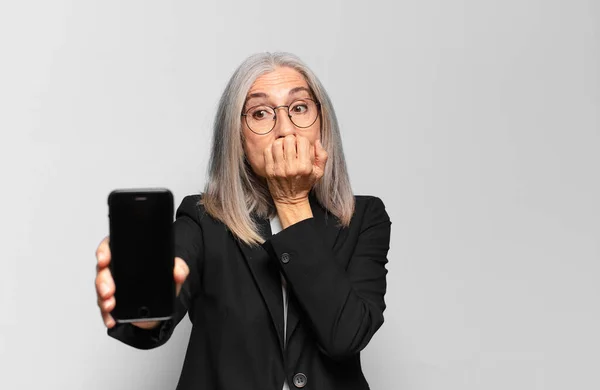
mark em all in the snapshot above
pixel 477 122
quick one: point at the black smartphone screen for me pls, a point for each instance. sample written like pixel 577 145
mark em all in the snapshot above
pixel 142 254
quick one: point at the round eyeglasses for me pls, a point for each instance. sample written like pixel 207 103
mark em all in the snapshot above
pixel 261 119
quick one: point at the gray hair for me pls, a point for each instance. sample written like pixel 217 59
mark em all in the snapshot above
pixel 233 191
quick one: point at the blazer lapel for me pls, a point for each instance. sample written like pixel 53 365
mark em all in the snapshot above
pixel 267 278
pixel 328 225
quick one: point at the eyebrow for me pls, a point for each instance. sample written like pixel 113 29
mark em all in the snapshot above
pixel 255 95
pixel 264 95
pixel 299 89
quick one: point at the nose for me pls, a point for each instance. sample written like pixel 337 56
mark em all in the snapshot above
pixel 284 125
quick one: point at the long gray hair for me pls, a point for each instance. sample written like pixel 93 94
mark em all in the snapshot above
pixel 233 191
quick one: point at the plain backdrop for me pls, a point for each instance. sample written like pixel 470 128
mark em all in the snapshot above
pixel 477 123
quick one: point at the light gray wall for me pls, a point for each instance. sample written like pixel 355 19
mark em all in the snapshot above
pixel 477 122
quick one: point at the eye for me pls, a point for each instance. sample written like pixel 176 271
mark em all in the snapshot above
pixel 299 108
pixel 261 113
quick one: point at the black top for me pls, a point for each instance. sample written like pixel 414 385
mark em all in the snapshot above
pixel 336 279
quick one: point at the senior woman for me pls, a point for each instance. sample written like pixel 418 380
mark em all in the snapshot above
pixel 280 268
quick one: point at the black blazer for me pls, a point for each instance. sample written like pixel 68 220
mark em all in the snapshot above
pixel 336 279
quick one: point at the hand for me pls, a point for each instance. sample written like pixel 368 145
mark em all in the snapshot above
pixel 293 166
pixel 105 285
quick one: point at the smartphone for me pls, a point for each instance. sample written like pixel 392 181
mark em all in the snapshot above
pixel 142 253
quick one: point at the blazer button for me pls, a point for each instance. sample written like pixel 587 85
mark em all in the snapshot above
pixel 300 380
pixel 285 258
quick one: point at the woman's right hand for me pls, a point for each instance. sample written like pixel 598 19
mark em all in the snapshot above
pixel 105 285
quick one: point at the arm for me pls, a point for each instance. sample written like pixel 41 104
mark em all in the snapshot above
pixel 343 307
pixel 188 244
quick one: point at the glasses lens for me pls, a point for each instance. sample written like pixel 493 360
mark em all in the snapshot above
pixel 303 112
pixel 260 119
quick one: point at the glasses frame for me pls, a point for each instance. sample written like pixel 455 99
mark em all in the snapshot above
pixel 317 103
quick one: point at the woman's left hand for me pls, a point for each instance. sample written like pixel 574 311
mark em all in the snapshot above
pixel 293 166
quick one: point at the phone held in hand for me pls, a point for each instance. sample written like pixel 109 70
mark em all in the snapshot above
pixel 142 254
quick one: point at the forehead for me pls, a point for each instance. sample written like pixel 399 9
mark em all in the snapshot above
pixel 279 81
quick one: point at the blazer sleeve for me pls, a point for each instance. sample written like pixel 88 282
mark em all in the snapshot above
pixel 188 246
pixel 344 307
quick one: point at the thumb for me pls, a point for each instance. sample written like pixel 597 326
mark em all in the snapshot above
pixel 180 273
pixel 320 155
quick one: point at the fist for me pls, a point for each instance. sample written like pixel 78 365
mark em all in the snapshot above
pixel 293 166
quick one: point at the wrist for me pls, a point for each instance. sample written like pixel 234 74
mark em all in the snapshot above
pixel 290 213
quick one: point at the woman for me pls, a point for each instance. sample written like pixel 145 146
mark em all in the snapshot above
pixel 280 267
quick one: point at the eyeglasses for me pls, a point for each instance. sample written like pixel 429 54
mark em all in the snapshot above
pixel 261 119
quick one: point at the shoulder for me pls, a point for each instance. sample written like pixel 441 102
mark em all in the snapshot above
pixel 368 203
pixel 369 209
pixel 191 206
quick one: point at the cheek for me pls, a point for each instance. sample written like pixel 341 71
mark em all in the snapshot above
pixel 315 132
pixel 254 149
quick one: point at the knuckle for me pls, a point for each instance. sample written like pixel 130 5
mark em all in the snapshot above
pixel 291 171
